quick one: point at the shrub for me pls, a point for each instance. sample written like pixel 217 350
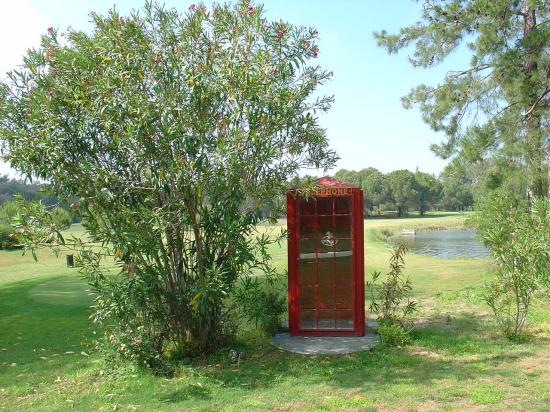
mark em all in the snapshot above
pixel 62 218
pixel 518 235
pixel 271 317
pixel 8 211
pixel 215 109
pixel 384 234
pixel 7 239
pixel 264 308
pixel 134 344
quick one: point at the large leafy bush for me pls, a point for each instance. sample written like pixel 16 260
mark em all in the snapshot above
pixel 172 130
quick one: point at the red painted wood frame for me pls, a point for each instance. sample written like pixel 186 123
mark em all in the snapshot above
pixel 309 313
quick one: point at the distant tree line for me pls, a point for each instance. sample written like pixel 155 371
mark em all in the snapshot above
pixel 402 190
pixel 30 191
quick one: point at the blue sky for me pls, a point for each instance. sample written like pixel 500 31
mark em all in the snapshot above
pixel 367 125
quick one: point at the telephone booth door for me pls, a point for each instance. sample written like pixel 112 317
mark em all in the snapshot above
pixel 326 278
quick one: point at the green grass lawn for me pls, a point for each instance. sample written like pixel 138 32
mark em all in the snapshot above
pixel 457 360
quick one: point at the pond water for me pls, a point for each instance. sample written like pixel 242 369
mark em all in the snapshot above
pixel 446 244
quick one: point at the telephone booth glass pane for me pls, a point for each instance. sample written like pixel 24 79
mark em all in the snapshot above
pixel 308 298
pixel 342 205
pixel 326 289
pixel 308 319
pixel 307 206
pixel 344 287
pixel 324 206
pixel 343 248
pixel 344 319
pixel 308 226
pixel 326 319
pixel 308 274
pixel 308 246
pixel 342 226
pixel 325 225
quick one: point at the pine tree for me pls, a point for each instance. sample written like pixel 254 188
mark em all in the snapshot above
pixel 497 108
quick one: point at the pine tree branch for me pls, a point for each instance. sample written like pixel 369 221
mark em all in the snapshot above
pixel 534 106
pixel 455 74
pixel 505 108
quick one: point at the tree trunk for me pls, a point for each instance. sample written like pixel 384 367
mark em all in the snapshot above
pixel 534 151
pixel 400 210
pixel 536 168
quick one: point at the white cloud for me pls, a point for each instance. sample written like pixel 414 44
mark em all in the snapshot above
pixel 20 29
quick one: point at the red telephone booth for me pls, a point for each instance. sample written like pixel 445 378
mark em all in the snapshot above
pixel 326 292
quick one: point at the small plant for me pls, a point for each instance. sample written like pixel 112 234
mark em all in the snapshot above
pixel 390 300
pixel 130 350
pixel 6 236
pixel 393 333
pixel 274 307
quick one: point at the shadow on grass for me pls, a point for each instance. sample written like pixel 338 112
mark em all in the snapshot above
pixel 186 393
pixel 462 351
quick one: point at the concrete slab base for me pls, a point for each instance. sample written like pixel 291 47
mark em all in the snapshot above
pixel 326 345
